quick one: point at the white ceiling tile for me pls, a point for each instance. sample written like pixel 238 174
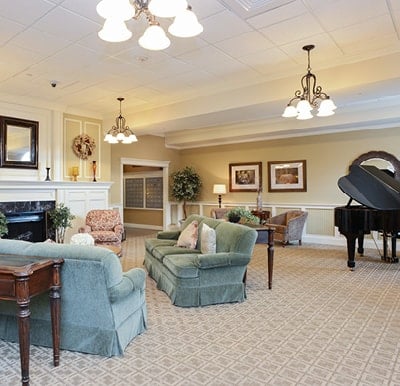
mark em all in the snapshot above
pixel 9 29
pixel 206 8
pixel 266 61
pixel 362 37
pixel 334 14
pixel 24 11
pixel 222 26
pixel 278 15
pixel 291 30
pixel 244 44
pixel 66 24
pixel 40 42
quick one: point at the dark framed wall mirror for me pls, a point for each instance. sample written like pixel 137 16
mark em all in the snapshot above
pixel 19 143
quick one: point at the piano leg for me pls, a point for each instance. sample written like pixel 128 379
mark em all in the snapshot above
pixel 351 248
pixel 360 239
pixel 385 247
pixel 395 259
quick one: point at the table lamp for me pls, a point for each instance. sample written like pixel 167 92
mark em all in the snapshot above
pixel 219 189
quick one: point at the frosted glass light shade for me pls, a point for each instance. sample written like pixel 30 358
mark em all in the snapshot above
pixel 303 115
pixel 326 108
pixel 154 38
pixel 110 139
pixel 167 8
pixel 303 106
pixel 185 25
pixel 290 112
pixel 114 30
pixel 118 9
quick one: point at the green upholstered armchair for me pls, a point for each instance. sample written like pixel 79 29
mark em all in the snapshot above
pixel 102 307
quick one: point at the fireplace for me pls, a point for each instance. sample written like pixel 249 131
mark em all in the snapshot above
pixel 27 220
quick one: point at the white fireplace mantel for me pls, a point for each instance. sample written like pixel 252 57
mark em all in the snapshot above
pixel 46 190
pixel 80 197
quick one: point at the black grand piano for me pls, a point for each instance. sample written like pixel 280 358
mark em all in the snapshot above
pixel 379 196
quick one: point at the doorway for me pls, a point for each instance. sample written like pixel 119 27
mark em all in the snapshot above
pixel 150 215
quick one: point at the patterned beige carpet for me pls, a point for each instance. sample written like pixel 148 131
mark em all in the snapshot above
pixel 321 324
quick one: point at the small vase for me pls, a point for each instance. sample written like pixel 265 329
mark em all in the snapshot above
pixel 94 167
pixel 259 201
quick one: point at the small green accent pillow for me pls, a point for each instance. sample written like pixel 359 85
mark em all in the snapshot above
pixel 208 239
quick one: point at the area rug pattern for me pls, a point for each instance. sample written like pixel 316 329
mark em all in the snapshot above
pixel 321 324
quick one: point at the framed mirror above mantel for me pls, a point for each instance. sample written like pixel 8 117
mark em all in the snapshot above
pixel 19 143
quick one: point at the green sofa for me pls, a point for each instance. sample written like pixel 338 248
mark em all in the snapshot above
pixel 102 308
pixel 191 278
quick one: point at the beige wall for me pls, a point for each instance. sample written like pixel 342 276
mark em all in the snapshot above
pixel 328 157
pixel 73 126
pixel 147 148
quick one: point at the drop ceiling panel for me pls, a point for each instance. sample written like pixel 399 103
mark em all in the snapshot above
pixel 295 29
pixel 244 44
pixel 64 23
pixel 25 11
pixel 343 13
pixel 223 25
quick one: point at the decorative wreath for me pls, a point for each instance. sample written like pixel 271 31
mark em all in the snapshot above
pixel 83 146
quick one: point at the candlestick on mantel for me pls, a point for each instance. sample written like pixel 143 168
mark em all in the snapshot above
pixel 94 166
pixel 75 173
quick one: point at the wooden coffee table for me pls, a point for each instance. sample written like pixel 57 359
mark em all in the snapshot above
pixel 112 248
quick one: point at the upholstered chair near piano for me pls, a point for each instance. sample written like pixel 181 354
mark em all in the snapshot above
pixel 219 213
pixel 288 226
pixel 105 226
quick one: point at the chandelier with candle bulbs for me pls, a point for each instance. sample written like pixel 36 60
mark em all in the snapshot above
pixel 309 97
pixel 117 12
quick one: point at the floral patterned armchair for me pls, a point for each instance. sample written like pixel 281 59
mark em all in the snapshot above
pixel 105 226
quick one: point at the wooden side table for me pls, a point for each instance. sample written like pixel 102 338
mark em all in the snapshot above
pixel 21 278
pixel 265 235
pixel 263 215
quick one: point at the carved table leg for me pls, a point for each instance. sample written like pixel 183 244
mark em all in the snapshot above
pixel 23 314
pixel 270 256
pixel 55 309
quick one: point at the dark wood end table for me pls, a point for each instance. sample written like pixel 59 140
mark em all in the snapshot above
pixel 265 235
pixel 21 278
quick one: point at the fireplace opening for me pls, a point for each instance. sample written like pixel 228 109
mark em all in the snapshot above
pixel 28 226
pixel 28 220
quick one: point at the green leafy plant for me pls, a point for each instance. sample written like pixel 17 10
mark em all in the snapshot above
pixel 243 215
pixel 186 184
pixel 61 219
pixel 3 225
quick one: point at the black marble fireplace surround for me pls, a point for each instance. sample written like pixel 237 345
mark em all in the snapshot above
pixel 27 220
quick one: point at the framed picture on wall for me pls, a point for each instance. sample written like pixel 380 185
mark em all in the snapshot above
pixel 245 177
pixel 287 176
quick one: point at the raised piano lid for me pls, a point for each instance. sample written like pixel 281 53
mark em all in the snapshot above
pixel 371 187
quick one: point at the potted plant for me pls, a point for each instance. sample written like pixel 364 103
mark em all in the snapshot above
pixel 243 215
pixel 61 218
pixel 186 184
pixel 3 225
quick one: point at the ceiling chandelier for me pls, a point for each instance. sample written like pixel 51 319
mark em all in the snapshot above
pixel 120 132
pixel 311 96
pixel 117 12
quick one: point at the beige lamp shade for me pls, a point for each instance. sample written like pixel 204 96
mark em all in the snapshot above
pixel 219 189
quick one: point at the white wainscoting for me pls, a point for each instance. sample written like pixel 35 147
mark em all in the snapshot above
pixel 320 227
